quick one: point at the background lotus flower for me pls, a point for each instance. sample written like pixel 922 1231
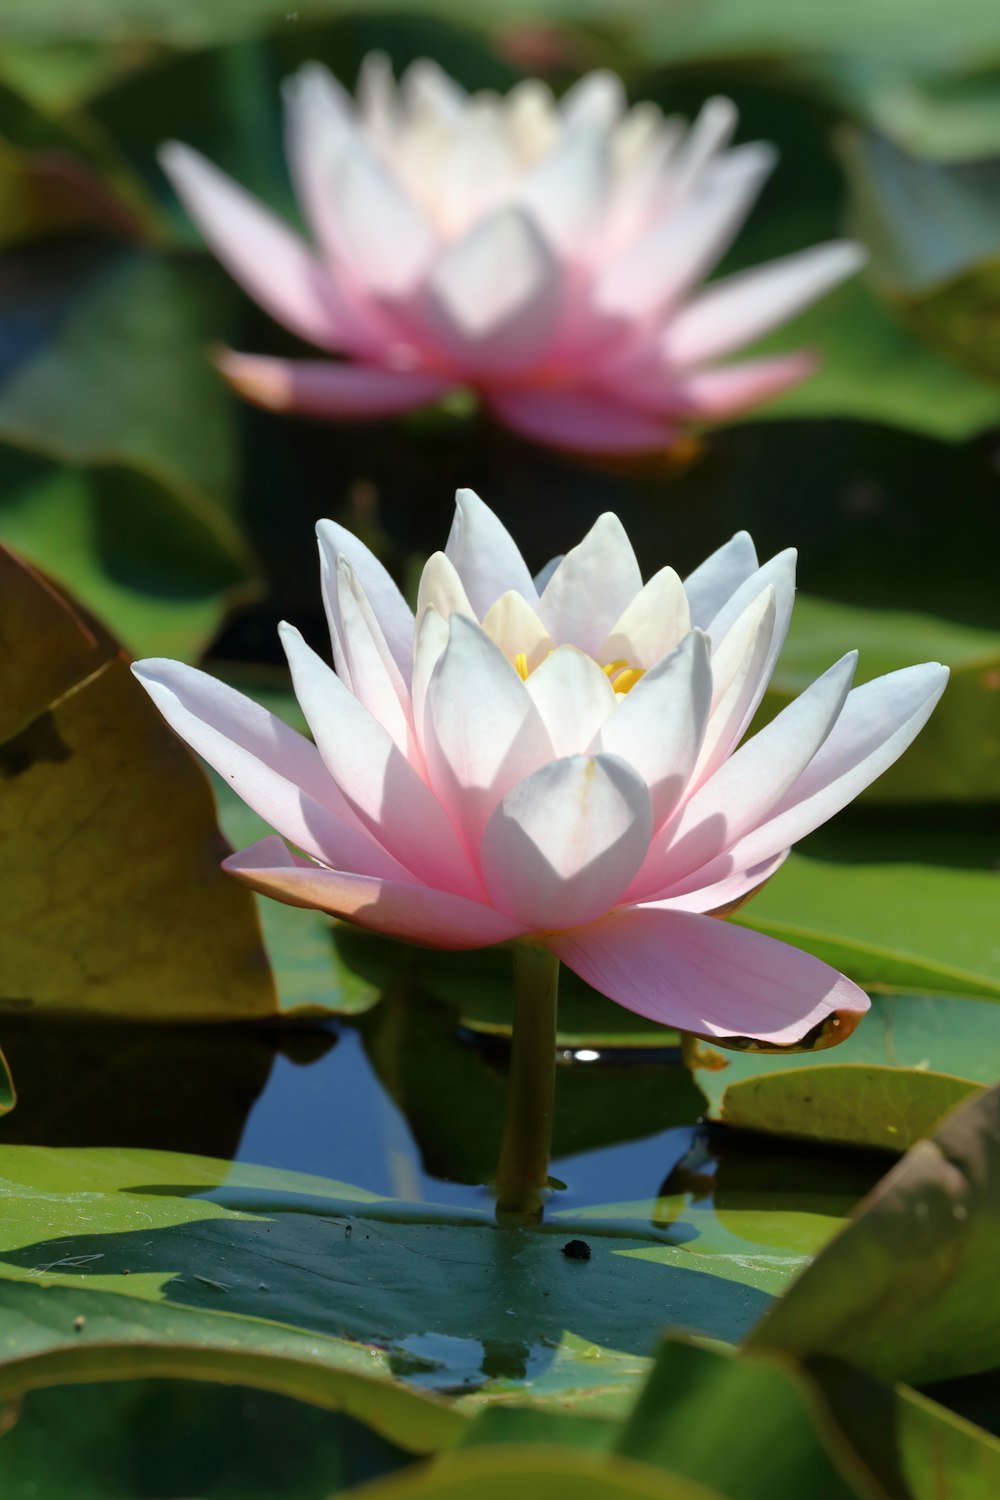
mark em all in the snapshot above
pixel 549 255
pixel 556 760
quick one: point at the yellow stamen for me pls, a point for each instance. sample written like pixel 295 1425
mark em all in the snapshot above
pixel 623 677
pixel 521 665
pixel 611 667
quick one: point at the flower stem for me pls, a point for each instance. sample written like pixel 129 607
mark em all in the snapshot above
pixel 523 1172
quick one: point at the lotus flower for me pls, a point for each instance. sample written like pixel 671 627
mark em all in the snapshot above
pixel 548 255
pixel 556 760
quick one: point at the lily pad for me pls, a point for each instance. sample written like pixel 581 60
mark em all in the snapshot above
pixel 118 451
pixel 114 901
pixel 908 1290
pixel 847 1105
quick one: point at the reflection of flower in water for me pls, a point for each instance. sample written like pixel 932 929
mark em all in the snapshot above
pixel 559 764
pixel 549 255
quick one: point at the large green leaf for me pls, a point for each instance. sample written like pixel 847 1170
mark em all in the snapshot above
pixel 909 1289
pixel 934 230
pixel 113 898
pixel 455 1300
pixel 117 457
pixel 185 1437
pixel 847 1104
pixel 537 1473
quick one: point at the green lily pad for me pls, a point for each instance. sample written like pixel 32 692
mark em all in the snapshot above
pixel 116 445
pixel 908 1290
pixel 113 898
pixel 847 1105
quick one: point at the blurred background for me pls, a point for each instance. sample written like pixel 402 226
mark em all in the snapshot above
pixel 184 518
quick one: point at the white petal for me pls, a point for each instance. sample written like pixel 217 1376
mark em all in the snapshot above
pixel 379 783
pixel 381 232
pixel 741 308
pixel 390 608
pixel 598 99
pixel 738 669
pixel 493 295
pixel 277 772
pixel 567 192
pixel 517 630
pixel 427 89
pixel 565 843
pixel 710 134
pixel 715 581
pixel 378 100
pixel 592 586
pixel 482 733
pixel 376 680
pixel 480 169
pixel 651 625
pixel 485 555
pixel 432 638
pixel 658 726
pixel 440 588
pixel 574 698
pixel 779 573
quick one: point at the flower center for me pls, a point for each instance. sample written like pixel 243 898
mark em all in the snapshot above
pixel 622 677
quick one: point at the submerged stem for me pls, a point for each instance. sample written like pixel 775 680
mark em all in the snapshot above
pixel 527 1130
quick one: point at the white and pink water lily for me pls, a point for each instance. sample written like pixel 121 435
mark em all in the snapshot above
pixel 548 254
pixel 558 760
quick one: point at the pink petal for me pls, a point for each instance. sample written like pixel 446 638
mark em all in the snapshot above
pixel 739 667
pixel 741 308
pixel 715 580
pixel 565 842
pixel 320 388
pixel 385 791
pixel 381 232
pixel 485 555
pixel 267 258
pixel 394 615
pixel 715 394
pixel 415 913
pixel 879 721
pixel 277 772
pixel 377 682
pixel 683 245
pixel 727 892
pixel 705 975
pixel 746 788
pixel 583 421
pixel 493 296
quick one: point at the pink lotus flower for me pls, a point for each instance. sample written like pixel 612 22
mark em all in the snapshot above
pixel 547 255
pixel 556 760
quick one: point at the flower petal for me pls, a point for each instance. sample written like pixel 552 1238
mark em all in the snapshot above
pixel 778 573
pixel 726 894
pixel 277 772
pixel 375 679
pixel 564 843
pixel 515 627
pixel 390 608
pixel 683 244
pixel 267 258
pixel 746 787
pixel 741 308
pixel 658 727
pixel 493 296
pixel 592 586
pixel 574 698
pixel 566 194
pixel 482 733
pixel 597 99
pixel 440 588
pixel 381 233
pixel 414 913
pixel 387 794
pixel 320 388
pixel 651 624
pixel 485 555
pixel 879 721
pixel 700 147
pixel 738 669
pixel 716 394
pixel 582 421
pixel 715 581
pixel 708 976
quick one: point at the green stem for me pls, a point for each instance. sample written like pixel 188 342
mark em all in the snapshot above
pixel 523 1172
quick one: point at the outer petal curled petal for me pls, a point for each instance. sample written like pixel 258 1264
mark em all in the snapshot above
pixel 415 913
pixel 317 388
pixel 708 976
